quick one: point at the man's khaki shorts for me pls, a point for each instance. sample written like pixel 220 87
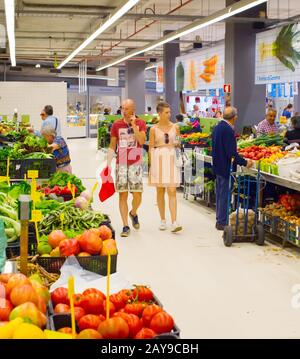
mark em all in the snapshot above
pixel 129 178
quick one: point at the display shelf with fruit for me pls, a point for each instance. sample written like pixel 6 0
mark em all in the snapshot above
pixel 198 139
pixel 91 248
pixel 134 314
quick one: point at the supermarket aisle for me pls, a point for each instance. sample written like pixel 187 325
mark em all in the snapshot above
pixel 212 291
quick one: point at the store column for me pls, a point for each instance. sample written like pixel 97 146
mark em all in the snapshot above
pixel 249 98
pixel 171 51
pixel 135 84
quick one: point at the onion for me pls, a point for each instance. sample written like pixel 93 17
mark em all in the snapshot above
pixel 81 202
pixel 86 194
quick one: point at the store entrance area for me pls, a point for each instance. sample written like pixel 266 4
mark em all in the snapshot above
pixel 245 291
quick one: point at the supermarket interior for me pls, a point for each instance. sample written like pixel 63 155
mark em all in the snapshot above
pixel 149 169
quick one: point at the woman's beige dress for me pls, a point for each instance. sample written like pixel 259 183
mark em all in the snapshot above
pixel 163 170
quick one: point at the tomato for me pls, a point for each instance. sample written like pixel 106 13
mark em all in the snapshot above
pixel 2 290
pixel 149 312
pixel 126 295
pixel 89 321
pixel 143 293
pixel 94 290
pixel 102 317
pixel 162 323
pixel 79 313
pixel 55 237
pixel 61 308
pixel 89 334
pixel 60 295
pixel 93 304
pixel 135 308
pixel 105 233
pixel 16 280
pixel 90 242
pixel 4 277
pixel 22 294
pixel 69 247
pixel 78 300
pixel 145 333
pixel 118 301
pixel 5 308
pixel 112 308
pixel 114 328
pixel 135 324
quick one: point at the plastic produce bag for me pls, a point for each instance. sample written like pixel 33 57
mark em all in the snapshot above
pixel 108 187
pixel 288 164
pixel 84 279
pixel 3 244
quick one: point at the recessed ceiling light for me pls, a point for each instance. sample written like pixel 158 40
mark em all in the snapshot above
pixel 38 66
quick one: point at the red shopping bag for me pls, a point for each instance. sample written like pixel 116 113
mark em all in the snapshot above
pixel 108 187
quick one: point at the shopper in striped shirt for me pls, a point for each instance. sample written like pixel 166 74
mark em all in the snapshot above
pixel 268 125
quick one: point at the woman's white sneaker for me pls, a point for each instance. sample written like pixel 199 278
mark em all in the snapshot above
pixel 163 225
pixel 176 227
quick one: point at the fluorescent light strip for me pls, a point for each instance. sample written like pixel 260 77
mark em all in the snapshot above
pixel 220 15
pixel 150 67
pixel 110 20
pixel 91 77
pixel 10 27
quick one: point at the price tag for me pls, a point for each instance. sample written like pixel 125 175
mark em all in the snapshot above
pixel 4 178
pixel 71 297
pixel 36 215
pixel 36 196
pixel 33 174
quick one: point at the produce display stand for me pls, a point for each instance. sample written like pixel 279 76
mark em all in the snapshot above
pixel 18 168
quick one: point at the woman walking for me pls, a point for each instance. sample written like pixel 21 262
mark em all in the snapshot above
pixel 164 164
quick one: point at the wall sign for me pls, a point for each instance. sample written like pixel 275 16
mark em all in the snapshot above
pixel 202 70
pixel 160 77
pixel 278 55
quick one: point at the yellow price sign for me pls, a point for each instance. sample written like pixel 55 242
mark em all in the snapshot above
pixel 36 215
pixel 71 297
pixel 4 179
pixel 33 174
pixel 36 196
pixel 93 191
pixel 283 120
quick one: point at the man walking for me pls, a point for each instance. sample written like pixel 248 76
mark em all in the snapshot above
pixel 224 149
pixel 128 136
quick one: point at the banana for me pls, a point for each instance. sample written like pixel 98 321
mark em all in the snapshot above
pixel 7 331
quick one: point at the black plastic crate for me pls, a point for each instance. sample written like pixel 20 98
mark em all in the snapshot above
pixel 96 264
pixel 46 167
pixel 13 248
pixel 15 169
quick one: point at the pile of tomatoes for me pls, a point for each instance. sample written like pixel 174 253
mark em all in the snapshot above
pixel 258 152
pixel 133 314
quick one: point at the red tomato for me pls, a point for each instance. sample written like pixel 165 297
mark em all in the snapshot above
pixel 162 323
pixel 78 300
pixel 60 295
pixel 102 317
pixel 89 321
pixel 93 304
pixel 69 247
pixel 118 301
pixel 126 295
pixel 94 290
pixel 114 328
pixel 149 312
pixel 5 308
pixel 61 308
pixel 143 294
pixel 112 308
pixel 135 308
pixel 135 324
pixel 79 313
pixel 145 333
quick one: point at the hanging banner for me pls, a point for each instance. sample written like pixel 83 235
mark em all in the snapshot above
pixel 278 55
pixel 160 77
pixel 201 70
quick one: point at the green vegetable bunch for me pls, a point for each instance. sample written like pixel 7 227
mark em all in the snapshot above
pixel 62 179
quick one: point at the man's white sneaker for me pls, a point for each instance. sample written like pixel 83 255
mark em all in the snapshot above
pixel 176 227
pixel 163 225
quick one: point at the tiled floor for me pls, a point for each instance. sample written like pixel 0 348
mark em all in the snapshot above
pixel 213 292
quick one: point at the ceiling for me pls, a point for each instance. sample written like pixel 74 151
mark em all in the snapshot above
pixel 43 30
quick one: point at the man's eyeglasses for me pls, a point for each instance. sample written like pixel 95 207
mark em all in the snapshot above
pixel 166 138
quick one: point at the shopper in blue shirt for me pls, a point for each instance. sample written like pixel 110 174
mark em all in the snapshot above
pixel 49 120
pixel 59 148
pixel 287 112
pixel 224 149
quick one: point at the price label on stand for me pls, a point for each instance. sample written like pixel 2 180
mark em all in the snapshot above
pixel 33 174
pixel 72 189
pixel 93 191
pixel 71 297
pixel 62 218
pixel 36 216
pixel 108 286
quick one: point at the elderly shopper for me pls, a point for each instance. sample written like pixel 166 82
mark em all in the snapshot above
pixel 268 126
pixel 224 150
pixel 59 148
